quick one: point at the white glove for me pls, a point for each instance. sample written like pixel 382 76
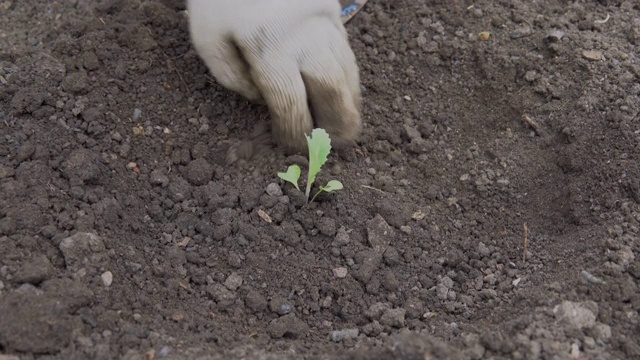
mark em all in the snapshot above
pixel 292 54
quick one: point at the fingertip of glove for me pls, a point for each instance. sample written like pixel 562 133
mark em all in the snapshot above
pixel 247 149
pixel 241 151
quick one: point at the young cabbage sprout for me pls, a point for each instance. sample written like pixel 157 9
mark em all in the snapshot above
pixel 319 145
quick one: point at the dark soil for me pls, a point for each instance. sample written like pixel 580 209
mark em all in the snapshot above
pixel 123 234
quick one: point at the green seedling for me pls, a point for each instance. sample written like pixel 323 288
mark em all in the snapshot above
pixel 319 145
pixel 292 175
pixel 332 185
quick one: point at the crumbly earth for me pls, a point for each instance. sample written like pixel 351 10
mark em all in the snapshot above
pixel 490 210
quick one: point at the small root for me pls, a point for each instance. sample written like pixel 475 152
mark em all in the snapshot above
pixel 602 21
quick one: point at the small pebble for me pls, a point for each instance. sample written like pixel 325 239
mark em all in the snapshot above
pixel 30 288
pixel 589 342
pixel 136 114
pixel 555 35
pixel 575 351
pixel 340 272
pixel 280 306
pixel 164 351
pixel 339 335
pixel 326 302
pixel 83 341
pixel 138 131
pixel 447 282
pixel 521 32
pixel 593 55
pixel 591 278
pixel 274 189
pixel 483 250
pixel 484 36
pixel 342 237
pixel 335 170
pixel 233 282
pixel 6 171
pixel 107 278
pixel 531 76
pixel 601 332
pixel 442 292
pixel 158 178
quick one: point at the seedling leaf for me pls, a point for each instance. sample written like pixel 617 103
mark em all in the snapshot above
pixel 292 175
pixel 332 185
pixel 319 147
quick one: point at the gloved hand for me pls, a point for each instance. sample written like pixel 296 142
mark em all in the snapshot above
pixel 292 55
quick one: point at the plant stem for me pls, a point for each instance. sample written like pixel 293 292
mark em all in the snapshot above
pixel 309 184
pixel 314 196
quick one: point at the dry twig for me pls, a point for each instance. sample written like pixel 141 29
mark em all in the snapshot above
pixel 372 188
pixel 525 241
pixel 534 125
